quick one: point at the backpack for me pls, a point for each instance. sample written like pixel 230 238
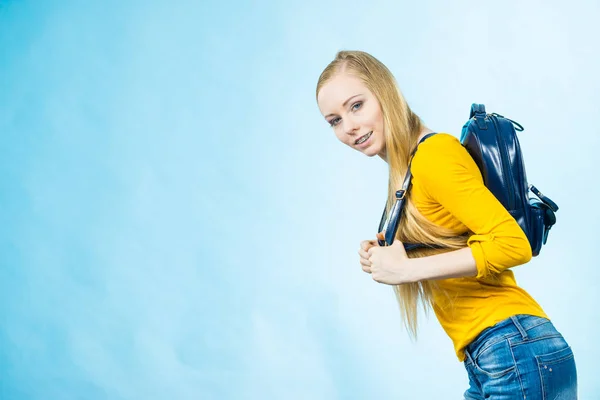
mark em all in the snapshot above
pixel 492 142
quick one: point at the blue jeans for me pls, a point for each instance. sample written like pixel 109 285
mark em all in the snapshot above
pixel 523 357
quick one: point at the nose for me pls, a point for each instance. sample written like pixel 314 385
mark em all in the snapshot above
pixel 350 125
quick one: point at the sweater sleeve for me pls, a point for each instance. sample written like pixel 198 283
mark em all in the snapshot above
pixel 450 177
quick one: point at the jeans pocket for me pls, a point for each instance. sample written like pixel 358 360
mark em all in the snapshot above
pixel 558 374
pixel 495 360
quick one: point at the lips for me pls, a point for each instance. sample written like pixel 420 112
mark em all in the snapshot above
pixel 363 138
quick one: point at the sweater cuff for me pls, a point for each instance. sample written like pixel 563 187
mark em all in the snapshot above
pixel 474 243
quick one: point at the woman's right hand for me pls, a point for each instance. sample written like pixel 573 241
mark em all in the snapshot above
pixel 365 245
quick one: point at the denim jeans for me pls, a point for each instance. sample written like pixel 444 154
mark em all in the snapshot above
pixel 523 357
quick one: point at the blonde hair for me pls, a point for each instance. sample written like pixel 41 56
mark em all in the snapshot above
pixel 402 128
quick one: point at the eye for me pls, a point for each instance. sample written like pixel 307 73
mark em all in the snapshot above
pixel 334 121
pixel 358 103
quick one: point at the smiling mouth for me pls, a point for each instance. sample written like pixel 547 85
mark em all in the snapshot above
pixel 364 138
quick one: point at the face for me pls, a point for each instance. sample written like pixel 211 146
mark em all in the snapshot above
pixel 353 113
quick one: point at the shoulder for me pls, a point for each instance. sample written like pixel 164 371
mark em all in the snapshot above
pixel 438 153
pixel 438 142
pixel 443 167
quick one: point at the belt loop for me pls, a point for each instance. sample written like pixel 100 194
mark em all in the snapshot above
pixel 468 358
pixel 522 331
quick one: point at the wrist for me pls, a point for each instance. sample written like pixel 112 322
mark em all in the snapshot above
pixel 415 270
pixel 418 269
pixel 453 264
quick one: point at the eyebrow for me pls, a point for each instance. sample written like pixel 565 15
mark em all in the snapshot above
pixel 346 102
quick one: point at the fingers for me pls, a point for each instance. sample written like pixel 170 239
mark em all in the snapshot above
pixel 367 244
pixel 363 254
pixel 365 264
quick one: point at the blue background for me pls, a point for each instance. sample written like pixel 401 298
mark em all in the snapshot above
pixel 179 222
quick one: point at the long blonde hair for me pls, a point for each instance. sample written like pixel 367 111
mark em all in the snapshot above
pixel 402 128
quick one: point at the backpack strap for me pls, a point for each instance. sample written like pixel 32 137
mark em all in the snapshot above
pixel 478 112
pixel 408 177
pixel 477 109
pixel 390 225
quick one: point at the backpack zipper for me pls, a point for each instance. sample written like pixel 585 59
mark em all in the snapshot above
pixel 505 167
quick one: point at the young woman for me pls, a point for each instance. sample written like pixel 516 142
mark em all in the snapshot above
pixel 510 348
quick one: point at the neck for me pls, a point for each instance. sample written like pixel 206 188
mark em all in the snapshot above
pixel 425 131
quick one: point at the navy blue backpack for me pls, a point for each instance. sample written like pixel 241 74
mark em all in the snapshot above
pixel 492 142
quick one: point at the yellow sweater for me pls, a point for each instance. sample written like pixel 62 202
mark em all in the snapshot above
pixel 448 190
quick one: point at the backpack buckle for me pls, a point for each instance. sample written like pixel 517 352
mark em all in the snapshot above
pixel 546 200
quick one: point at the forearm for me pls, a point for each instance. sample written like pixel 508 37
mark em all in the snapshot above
pixel 454 264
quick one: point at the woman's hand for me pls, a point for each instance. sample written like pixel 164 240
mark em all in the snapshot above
pixel 365 245
pixel 389 265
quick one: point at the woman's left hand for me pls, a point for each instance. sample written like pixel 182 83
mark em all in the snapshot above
pixel 390 264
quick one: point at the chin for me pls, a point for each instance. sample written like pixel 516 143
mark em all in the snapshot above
pixel 368 152
pixel 372 151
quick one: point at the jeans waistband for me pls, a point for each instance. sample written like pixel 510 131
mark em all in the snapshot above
pixel 517 324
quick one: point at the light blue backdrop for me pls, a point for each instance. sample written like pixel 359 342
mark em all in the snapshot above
pixel 178 221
